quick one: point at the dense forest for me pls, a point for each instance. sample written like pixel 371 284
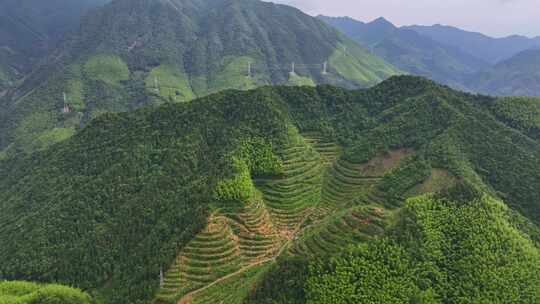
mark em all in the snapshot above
pixel 407 179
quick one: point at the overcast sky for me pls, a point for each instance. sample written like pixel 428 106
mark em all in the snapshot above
pixel 492 17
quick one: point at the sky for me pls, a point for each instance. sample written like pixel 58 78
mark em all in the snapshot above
pixel 495 18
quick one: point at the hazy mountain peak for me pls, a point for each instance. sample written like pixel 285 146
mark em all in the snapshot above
pixel 381 21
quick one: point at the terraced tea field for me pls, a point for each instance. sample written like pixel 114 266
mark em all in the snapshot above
pixel 291 197
pixel 318 205
pixel 341 229
pixel 226 245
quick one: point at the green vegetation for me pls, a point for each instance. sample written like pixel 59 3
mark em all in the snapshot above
pixel 20 292
pixel 440 252
pixel 522 113
pixel 232 290
pixel 283 283
pixel 356 64
pixel 107 68
pixel 297 80
pixel 115 61
pixel 213 189
pixel 172 83
pixel 233 75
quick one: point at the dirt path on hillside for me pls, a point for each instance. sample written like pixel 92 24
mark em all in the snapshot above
pixel 186 299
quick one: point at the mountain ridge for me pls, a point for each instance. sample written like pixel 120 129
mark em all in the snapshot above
pixel 131 53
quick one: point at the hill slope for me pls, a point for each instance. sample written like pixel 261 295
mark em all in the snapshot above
pixel 134 52
pixel 519 75
pixel 410 51
pixel 29 29
pixel 213 191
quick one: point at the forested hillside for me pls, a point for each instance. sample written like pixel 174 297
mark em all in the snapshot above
pixel 132 53
pixel 253 197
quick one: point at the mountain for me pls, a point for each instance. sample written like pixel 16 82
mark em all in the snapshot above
pixel 29 29
pixel 410 51
pixel 493 50
pixel 366 33
pixel 519 75
pixel 255 196
pixel 131 53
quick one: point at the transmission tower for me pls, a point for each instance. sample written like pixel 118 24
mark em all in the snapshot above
pixel 65 109
pixel 156 85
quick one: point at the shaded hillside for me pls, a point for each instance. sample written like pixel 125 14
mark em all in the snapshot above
pixel 493 50
pixel 519 75
pixel 29 29
pixel 213 191
pixel 410 51
pixel 133 52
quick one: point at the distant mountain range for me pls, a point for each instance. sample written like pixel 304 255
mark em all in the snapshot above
pixel 462 59
pixel 131 53
pixel 518 75
pixel 493 50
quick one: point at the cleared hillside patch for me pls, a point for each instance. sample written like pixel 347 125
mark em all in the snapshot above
pixel 234 75
pixel 170 83
pixel 110 69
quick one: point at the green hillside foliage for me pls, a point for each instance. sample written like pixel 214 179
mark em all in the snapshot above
pixel 354 63
pixel 107 68
pixel 157 170
pixel 133 53
pixel 233 75
pixel 440 252
pixel 297 80
pixel 20 292
pixel 172 84
pixel 522 113
pixel 283 284
pixel 107 208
